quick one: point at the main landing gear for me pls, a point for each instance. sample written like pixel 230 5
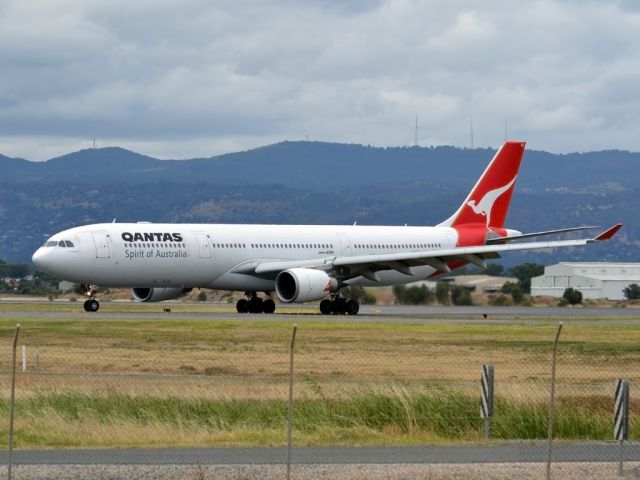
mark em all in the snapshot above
pixel 90 305
pixel 339 306
pixel 255 304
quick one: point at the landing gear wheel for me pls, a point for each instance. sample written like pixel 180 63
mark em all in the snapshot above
pixel 91 305
pixel 268 306
pixel 256 305
pixel 339 306
pixel 353 307
pixel 325 307
pixel 242 306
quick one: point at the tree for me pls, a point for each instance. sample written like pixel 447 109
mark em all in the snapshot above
pixel 514 290
pixel 460 296
pixel 442 293
pixel 359 294
pixel 14 270
pixel 572 296
pixel 413 295
pixel 525 272
pixel 494 269
pixel 500 301
pixel 632 292
pixel 202 297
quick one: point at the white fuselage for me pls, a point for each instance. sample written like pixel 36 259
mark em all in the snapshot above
pixel 212 256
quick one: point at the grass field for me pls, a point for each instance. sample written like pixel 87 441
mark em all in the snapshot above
pixel 203 381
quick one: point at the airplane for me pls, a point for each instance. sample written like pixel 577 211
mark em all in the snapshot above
pixel 300 263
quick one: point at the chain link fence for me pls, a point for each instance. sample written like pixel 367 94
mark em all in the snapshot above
pixel 94 382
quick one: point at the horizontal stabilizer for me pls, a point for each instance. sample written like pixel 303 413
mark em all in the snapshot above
pixel 502 240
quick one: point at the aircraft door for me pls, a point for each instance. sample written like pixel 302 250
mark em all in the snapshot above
pixel 204 245
pixel 102 245
pixel 345 244
pixel 452 240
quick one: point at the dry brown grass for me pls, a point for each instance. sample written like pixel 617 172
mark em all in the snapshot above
pixel 201 358
pixel 250 360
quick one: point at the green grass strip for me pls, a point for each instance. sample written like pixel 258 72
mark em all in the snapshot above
pixel 400 416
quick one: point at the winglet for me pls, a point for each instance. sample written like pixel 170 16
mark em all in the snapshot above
pixel 607 234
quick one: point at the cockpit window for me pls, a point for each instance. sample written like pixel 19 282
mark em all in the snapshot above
pixel 59 243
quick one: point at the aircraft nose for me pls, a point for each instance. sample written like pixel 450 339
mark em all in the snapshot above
pixel 37 257
pixel 41 259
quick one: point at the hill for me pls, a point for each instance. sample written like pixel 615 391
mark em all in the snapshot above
pixel 312 182
pixel 329 166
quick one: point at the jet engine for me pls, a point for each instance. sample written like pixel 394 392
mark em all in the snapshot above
pixel 157 294
pixel 304 285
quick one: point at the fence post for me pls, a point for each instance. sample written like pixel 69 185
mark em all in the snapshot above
pixel 552 401
pixel 13 400
pixel 486 387
pixel 290 413
pixel 621 418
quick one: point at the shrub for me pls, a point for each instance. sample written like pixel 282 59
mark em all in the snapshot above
pixel 413 295
pixel 360 294
pixel 632 292
pixel 442 293
pixel 514 290
pixel 500 301
pixel 461 296
pixel 572 296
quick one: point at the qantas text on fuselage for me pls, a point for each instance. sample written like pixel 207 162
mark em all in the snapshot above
pixel 299 263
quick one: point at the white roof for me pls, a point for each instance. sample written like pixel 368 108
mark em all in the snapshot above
pixel 611 278
pixel 600 264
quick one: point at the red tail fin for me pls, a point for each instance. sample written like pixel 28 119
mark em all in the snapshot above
pixel 487 204
pixel 488 201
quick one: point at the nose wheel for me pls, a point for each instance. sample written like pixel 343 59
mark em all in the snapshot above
pixel 90 305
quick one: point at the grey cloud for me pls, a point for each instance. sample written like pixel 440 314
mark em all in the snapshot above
pixel 237 73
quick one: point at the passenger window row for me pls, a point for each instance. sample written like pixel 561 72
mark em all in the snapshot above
pixel 291 245
pixel 359 246
pixel 274 245
pixel 154 245
pixel 399 246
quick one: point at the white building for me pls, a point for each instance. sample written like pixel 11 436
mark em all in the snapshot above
pixel 594 280
pixel 65 286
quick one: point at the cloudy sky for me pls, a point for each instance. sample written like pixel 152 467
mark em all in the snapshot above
pixel 179 79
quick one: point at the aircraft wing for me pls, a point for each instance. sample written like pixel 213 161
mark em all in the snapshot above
pixel 367 265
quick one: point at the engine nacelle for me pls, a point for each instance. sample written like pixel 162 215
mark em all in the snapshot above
pixel 304 285
pixel 157 294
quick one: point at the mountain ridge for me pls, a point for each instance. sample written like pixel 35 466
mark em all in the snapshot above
pixel 314 182
pixel 333 165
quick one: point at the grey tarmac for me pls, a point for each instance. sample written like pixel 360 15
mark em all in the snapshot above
pixel 519 452
pixel 413 314
pixel 496 462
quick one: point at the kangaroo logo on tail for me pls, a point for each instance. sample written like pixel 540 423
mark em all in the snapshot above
pixel 489 197
pixel 484 206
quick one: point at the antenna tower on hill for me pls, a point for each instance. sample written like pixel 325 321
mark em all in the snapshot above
pixel 471 136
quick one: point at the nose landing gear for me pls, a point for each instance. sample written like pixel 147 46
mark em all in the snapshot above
pixel 90 305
